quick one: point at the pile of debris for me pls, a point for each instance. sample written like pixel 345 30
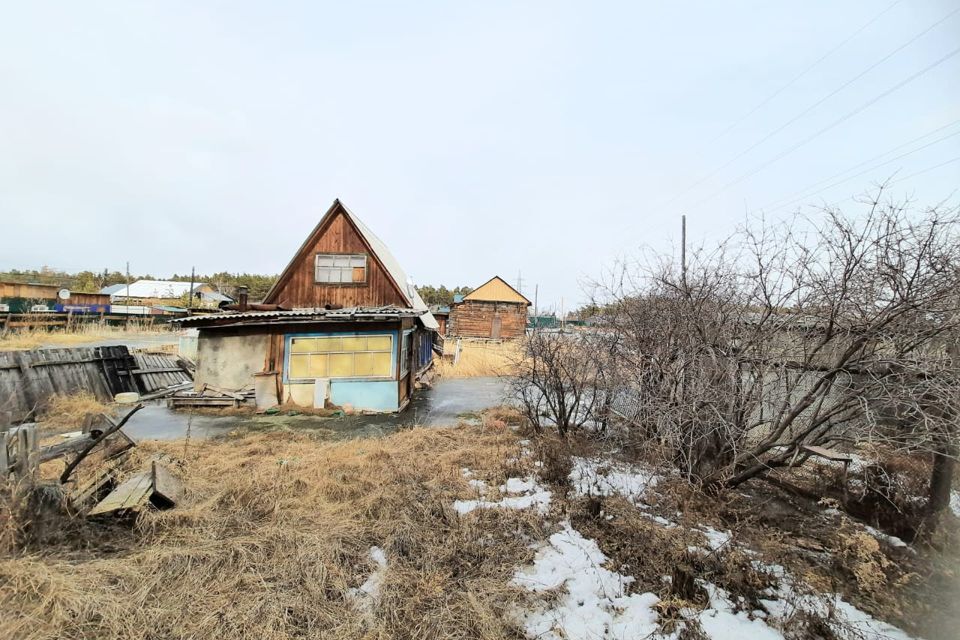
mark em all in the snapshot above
pixel 94 480
pixel 210 396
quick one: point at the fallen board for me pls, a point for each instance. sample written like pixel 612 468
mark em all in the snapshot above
pixel 131 494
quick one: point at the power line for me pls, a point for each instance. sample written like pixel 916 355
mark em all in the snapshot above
pixel 804 193
pixel 805 71
pixel 830 126
pixel 814 106
pixel 936 166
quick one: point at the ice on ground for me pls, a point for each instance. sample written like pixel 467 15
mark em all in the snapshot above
pixel 594 602
pixel 518 485
pixel 479 485
pixel 604 478
pixel 526 494
pixel 366 595
pixel 893 541
pixel 955 503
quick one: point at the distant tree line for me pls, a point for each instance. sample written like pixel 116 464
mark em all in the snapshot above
pixel 441 296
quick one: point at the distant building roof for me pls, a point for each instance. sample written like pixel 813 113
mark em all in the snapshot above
pixel 496 289
pixel 457 298
pixel 164 289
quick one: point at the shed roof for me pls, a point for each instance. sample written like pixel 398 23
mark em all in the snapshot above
pixel 368 314
pixel 496 289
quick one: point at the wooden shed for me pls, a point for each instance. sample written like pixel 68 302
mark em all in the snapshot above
pixel 342 324
pixel 494 310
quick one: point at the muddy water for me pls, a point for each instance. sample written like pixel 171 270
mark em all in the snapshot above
pixel 447 403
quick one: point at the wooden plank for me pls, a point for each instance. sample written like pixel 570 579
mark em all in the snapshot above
pixel 131 494
pixel 167 489
pixel 829 454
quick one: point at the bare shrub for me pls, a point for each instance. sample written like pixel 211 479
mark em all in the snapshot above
pixel 827 332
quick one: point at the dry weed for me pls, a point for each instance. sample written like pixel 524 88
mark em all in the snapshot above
pixel 76 334
pixel 70 411
pixel 272 536
pixel 481 359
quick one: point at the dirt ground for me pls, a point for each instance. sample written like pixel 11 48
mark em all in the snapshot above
pixel 283 535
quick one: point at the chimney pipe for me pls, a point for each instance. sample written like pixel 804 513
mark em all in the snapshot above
pixel 242 298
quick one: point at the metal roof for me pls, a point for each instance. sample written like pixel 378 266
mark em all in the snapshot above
pixel 396 271
pixel 351 313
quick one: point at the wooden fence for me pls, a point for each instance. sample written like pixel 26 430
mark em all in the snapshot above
pixel 28 379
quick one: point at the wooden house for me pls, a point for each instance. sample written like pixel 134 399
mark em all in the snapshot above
pixel 342 325
pixel 494 310
pixel 18 297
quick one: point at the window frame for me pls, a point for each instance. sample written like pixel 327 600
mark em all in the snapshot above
pixel 288 352
pixel 405 350
pixel 334 256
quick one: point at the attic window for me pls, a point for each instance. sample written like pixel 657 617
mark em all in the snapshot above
pixel 338 268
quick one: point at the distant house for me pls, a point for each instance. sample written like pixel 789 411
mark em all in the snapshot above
pixel 158 296
pixel 494 310
pixel 342 324
pixel 18 297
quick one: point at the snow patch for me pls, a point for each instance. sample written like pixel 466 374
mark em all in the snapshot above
pixel 893 541
pixel 594 477
pixel 527 494
pixel 594 603
pixel 955 503
pixel 366 595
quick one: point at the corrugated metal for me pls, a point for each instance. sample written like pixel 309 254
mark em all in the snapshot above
pixel 496 290
pixel 324 314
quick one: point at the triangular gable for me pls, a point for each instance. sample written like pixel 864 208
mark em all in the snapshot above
pixel 496 289
pixel 376 249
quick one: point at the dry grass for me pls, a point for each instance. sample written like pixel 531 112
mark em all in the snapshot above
pixel 272 535
pixel 480 359
pixel 77 334
pixel 69 411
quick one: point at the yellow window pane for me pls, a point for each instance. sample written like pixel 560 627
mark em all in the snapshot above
pixel 341 365
pixel 318 365
pixel 364 365
pixel 299 366
pixel 381 363
pixel 358 343
pixel 328 344
pixel 359 274
pixel 303 345
pixel 378 343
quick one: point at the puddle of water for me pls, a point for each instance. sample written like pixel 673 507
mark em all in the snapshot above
pixel 441 406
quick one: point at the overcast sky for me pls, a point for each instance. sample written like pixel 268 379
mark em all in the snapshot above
pixel 475 138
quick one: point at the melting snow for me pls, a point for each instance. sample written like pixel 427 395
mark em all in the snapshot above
pixel 366 595
pixel 893 541
pixel 955 503
pixel 594 603
pixel 530 494
pixel 593 477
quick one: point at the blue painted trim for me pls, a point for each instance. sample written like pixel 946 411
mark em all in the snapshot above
pixel 394 354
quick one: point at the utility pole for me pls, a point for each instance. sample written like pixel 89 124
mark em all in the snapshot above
pixel 190 293
pixel 536 313
pixel 127 321
pixel 683 251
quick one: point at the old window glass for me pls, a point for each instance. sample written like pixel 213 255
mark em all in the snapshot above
pixel 341 357
pixel 335 268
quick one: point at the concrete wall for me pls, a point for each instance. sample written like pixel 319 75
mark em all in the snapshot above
pixel 229 361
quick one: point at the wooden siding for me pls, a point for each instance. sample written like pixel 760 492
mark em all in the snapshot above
pixel 476 318
pixel 298 289
pixel 496 290
pixel 44 292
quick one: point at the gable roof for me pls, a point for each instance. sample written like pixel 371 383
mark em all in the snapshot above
pixel 378 250
pixel 496 289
